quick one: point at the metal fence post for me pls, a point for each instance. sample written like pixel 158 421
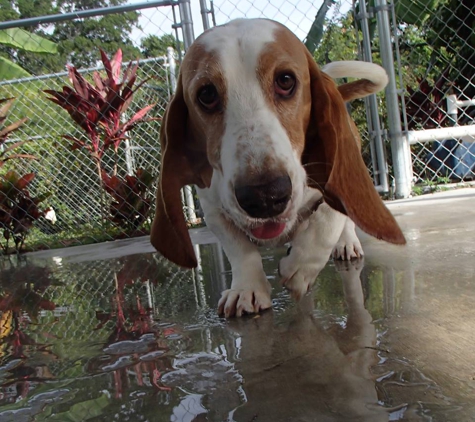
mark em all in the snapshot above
pixel 400 148
pixel 186 23
pixel 172 68
pixel 380 166
pixel 204 14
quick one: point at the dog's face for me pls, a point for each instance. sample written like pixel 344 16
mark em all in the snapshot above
pixel 249 100
pixel 255 118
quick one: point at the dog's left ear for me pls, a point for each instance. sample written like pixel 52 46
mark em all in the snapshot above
pixel 182 164
pixel 333 162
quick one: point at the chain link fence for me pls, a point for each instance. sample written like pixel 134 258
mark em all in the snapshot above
pixel 436 46
pixel 69 200
pixel 431 47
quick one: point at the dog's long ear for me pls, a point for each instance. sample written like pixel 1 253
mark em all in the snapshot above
pixel 181 164
pixel 333 162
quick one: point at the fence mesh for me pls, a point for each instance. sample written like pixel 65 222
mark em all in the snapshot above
pixel 67 177
pixel 437 51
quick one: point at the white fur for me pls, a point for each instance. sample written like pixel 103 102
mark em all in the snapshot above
pixel 252 126
pixel 358 70
pixel 248 114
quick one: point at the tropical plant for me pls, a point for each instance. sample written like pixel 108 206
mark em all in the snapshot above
pixel 77 40
pixel 6 152
pixel 99 109
pixel 18 38
pixel 131 198
pixel 18 210
pixel 315 34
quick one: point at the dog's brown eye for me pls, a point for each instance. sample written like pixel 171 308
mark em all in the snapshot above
pixel 284 84
pixel 208 97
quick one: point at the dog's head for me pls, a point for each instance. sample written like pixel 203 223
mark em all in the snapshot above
pixel 255 116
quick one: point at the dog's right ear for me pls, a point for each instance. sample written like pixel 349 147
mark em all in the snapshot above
pixel 180 166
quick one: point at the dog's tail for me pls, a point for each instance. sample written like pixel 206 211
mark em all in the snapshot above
pixel 371 78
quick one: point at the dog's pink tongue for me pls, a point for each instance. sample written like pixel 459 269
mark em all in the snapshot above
pixel 268 230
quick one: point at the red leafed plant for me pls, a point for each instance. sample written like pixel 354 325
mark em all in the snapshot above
pixel 425 105
pixel 18 210
pixel 130 197
pixel 98 108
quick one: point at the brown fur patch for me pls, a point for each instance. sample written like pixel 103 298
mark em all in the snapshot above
pixel 201 67
pixel 286 54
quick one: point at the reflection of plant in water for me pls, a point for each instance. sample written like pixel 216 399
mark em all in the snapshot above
pixel 20 303
pixel 135 341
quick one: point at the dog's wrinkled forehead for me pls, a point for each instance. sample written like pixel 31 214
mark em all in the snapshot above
pixel 241 41
pixel 237 45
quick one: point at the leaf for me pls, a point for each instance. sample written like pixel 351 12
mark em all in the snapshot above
pixel 414 12
pixel 77 143
pixel 116 64
pixel 28 156
pixel 42 197
pixel 24 181
pixel 10 70
pixel 316 30
pixel 108 68
pixel 14 126
pixel 4 109
pixel 137 117
pixel 27 41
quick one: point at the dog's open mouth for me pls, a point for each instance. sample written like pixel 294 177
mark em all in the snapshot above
pixel 268 230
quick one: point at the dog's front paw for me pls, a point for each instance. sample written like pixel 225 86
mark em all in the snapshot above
pixel 298 272
pixel 238 302
pixel 348 249
pixel 348 246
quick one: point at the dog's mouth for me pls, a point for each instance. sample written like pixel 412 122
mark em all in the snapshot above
pixel 268 230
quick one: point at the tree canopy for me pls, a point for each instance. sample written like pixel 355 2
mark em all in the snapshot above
pixel 78 40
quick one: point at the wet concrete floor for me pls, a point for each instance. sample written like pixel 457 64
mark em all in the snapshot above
pixel 112 332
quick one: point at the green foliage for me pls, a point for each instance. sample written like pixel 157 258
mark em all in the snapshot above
pixel 339 41
pixel 315 34
pixel 78 41
pixel 18 38
pixel 26 41
pixel 155 46
pixel 414 12
pixel 431 186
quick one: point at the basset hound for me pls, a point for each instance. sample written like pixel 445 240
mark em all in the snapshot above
pixel 264 135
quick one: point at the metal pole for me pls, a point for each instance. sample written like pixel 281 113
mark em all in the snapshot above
pixel 88 13
pixel 204 14
pixel 399 144
pixel 172 68
pixel 129 158
pixel 186 23
pixel 374 123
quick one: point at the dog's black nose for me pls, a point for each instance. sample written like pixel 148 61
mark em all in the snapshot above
pixel 267 200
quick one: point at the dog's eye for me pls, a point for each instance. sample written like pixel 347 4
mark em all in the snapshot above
pixel 208 97
pixel 284 84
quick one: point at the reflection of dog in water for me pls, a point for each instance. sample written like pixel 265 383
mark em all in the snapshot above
pixel 307 372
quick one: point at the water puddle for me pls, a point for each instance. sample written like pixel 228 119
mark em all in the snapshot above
pixel 136 339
